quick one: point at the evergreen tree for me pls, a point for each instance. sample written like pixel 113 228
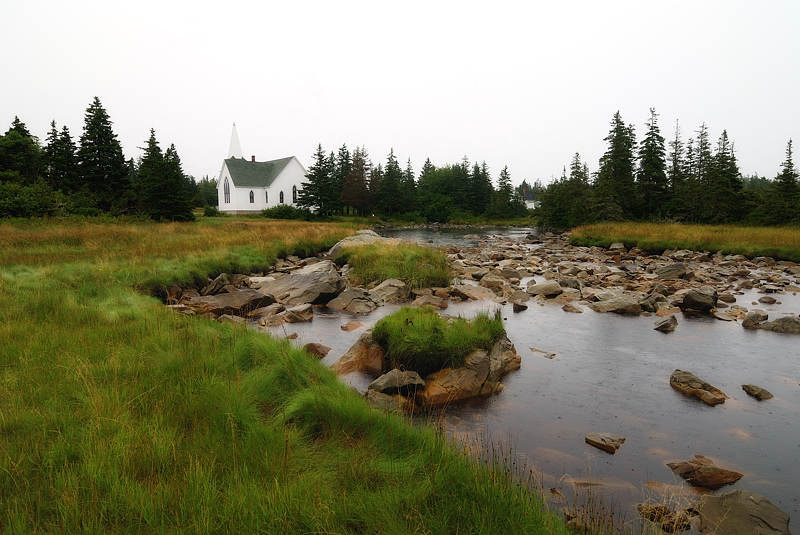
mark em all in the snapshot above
pixel 504 202
pixel 162 192
pixel 355 190
pixel 100 160
pixel 61 160
pixel 676 171
pixel 651 176
pixel 615 188
pixel 177 188
pixel 387 197
pixel 19 154
pixel 784 199
pixel 723 184
pixel 408 190
pixel 482 189
pixel 320 193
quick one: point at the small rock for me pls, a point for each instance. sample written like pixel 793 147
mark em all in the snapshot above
pixel 702 472
pixel 351 326
pixel 605 441
pixel 667 325
pixel 757 392
pixel 572 308
pixel 316 349
pixel 767 300
pixel 690 385
pixel 519 306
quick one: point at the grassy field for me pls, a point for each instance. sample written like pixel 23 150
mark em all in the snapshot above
pixel 417 266
pixel 119 416
pixel 781 243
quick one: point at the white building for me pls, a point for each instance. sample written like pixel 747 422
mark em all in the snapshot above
pixel 247 186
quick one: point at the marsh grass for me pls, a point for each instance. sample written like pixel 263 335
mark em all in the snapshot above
pixel 419 339
pixel 119 416
pixel 417 266
pixel 781 243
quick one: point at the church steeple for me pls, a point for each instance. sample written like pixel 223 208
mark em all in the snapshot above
pixel 235 150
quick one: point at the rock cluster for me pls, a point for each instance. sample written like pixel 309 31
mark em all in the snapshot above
pixel 702 472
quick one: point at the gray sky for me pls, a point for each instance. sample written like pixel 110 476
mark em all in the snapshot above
pixel 523 84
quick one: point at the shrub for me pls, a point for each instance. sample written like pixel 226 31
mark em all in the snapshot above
pixel 420 339
pixel 284 211
pixel 211 211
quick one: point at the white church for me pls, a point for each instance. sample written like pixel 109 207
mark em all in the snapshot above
pixel 247 186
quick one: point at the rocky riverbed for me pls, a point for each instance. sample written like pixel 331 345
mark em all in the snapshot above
pixel 676 289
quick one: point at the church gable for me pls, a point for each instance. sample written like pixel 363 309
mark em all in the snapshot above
pixel 251 174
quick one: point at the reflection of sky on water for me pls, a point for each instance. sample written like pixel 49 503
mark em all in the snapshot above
pixel 611 373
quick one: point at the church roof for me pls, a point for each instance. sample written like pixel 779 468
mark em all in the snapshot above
pixel 247 174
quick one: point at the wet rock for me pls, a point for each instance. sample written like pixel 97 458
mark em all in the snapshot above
pixel 548 288
pixel 398 382
pixel 785 324
pixel 364 237
pixel 237 303
pixel 702 472
pixel 676 270
pixel 667 325
pixel 702 300
pixel 468 292
pixel 393 291
pixel 356 301
pixel 366 356
pixel 605 441
pixel 754 318
pixel 651 302
pixel 724 316
pixel 298 314
pixel 385 402
pixel 316 283
pixel 316 349
pixel 624 304
pixel 351 326
pixel 767 300
pixel 690 385
pixel 542 353
pixel 430 300
pixel 572 309
pixel 740 512
pixel 757 392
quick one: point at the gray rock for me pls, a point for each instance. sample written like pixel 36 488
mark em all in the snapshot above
pixel 672 271
pixel 605 441
pixel 667 325
pixel 356 301
pixel 430 301
pixel 468 292
pixel 548 288
pixel 364 237
pixel 757 392
pixel 298 314
pixel 393 291
pixel 785 324
pixel 740 512
pixel 700 299
pixel 518 306
pixel 396 381
pixel 754 318
pixel 623 304
pixel 236 303
pixel 572 309
pixel 316 283
pixel 650 303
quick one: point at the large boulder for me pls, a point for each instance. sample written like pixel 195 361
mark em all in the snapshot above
pixel 316 283
pixel 701 300
pixel 364 237
pixel 741 512
pixel 702 472
pixel 469 292
pixel 549 288
pixel 366 356
pixel 690 385
pixel 624 304
pixel 356 300
pixel 393 291
pixel 237 303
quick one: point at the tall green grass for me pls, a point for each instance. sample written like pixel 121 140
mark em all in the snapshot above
pixel 782 243
pixel 120 416
pixel 417 266
pixel 420 339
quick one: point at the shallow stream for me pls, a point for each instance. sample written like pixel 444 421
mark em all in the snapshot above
pixel 611 374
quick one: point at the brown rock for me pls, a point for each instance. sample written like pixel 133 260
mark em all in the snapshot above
pixel 690 385
pixel 605 441
pixel 317 350
pixel 757 392
pixel 365 355
pixel 740 512
pixel 701 472
pixel 351 326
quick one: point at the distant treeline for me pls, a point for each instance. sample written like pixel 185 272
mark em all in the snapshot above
pixel 93 176
pixel 694 182
pixel 346 182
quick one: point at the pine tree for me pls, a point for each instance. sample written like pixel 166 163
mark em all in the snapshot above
pixel 61 160
pixel 615 188
pixel 503 204
pixel 651 176
pixel 387 197
pixel 100 160
pixel 723 184
pixel 676 171
pixel 784 199
pixel 20 154
pixel 408 190
pixel 319 192
pixel 355 190
pixel 161 185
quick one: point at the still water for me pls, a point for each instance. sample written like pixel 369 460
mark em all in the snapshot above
pixel 611 374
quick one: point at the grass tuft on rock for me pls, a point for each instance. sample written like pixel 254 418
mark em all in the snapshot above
pixel 421 340
pixel 417 266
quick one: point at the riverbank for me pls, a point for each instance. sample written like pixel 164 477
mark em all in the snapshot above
pixel 120 416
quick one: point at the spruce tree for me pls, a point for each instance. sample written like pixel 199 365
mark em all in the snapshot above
pixel 651 176
pixel 355 190
pixel 100 160
pixel 615 188
pixel 161 184
pixel 61 160
pixel 784 199
pixel 20 154
pixel 723 184
pixel 318 192
pixel 387 197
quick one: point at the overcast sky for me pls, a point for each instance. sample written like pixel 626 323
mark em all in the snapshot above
pixel 523 84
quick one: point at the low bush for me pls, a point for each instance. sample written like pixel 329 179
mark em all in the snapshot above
pixel 284 211
pixel 420 339
pixel 417 266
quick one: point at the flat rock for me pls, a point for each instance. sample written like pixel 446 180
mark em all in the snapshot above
pixel 548 288
pixel 430 300
pixel 572 309
pixel 740 512
pixel 396 381
pixel 236 303
pixel 356 301
pixel 316 283
pixel 298 314
pixel 623 304
pixel 667 325
pixel 393 291
pixel 785 324
pixel 757 392
pixel 468 292
pixel 702 472
pixel 351 326
pixel 316 349
pixel 366 356
pixel 605 441
pixel 690 385
pixel 672 271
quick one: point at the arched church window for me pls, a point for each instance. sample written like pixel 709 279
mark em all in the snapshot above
pixel 252 198
pixel 281 197
pixel 226 190
pixel 294 194
pixel 266 197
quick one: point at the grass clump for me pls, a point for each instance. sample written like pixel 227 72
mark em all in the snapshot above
pixel 420 339
pixel 417 266
pixel 781 243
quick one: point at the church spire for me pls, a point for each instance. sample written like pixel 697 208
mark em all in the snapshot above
pixel 235 150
